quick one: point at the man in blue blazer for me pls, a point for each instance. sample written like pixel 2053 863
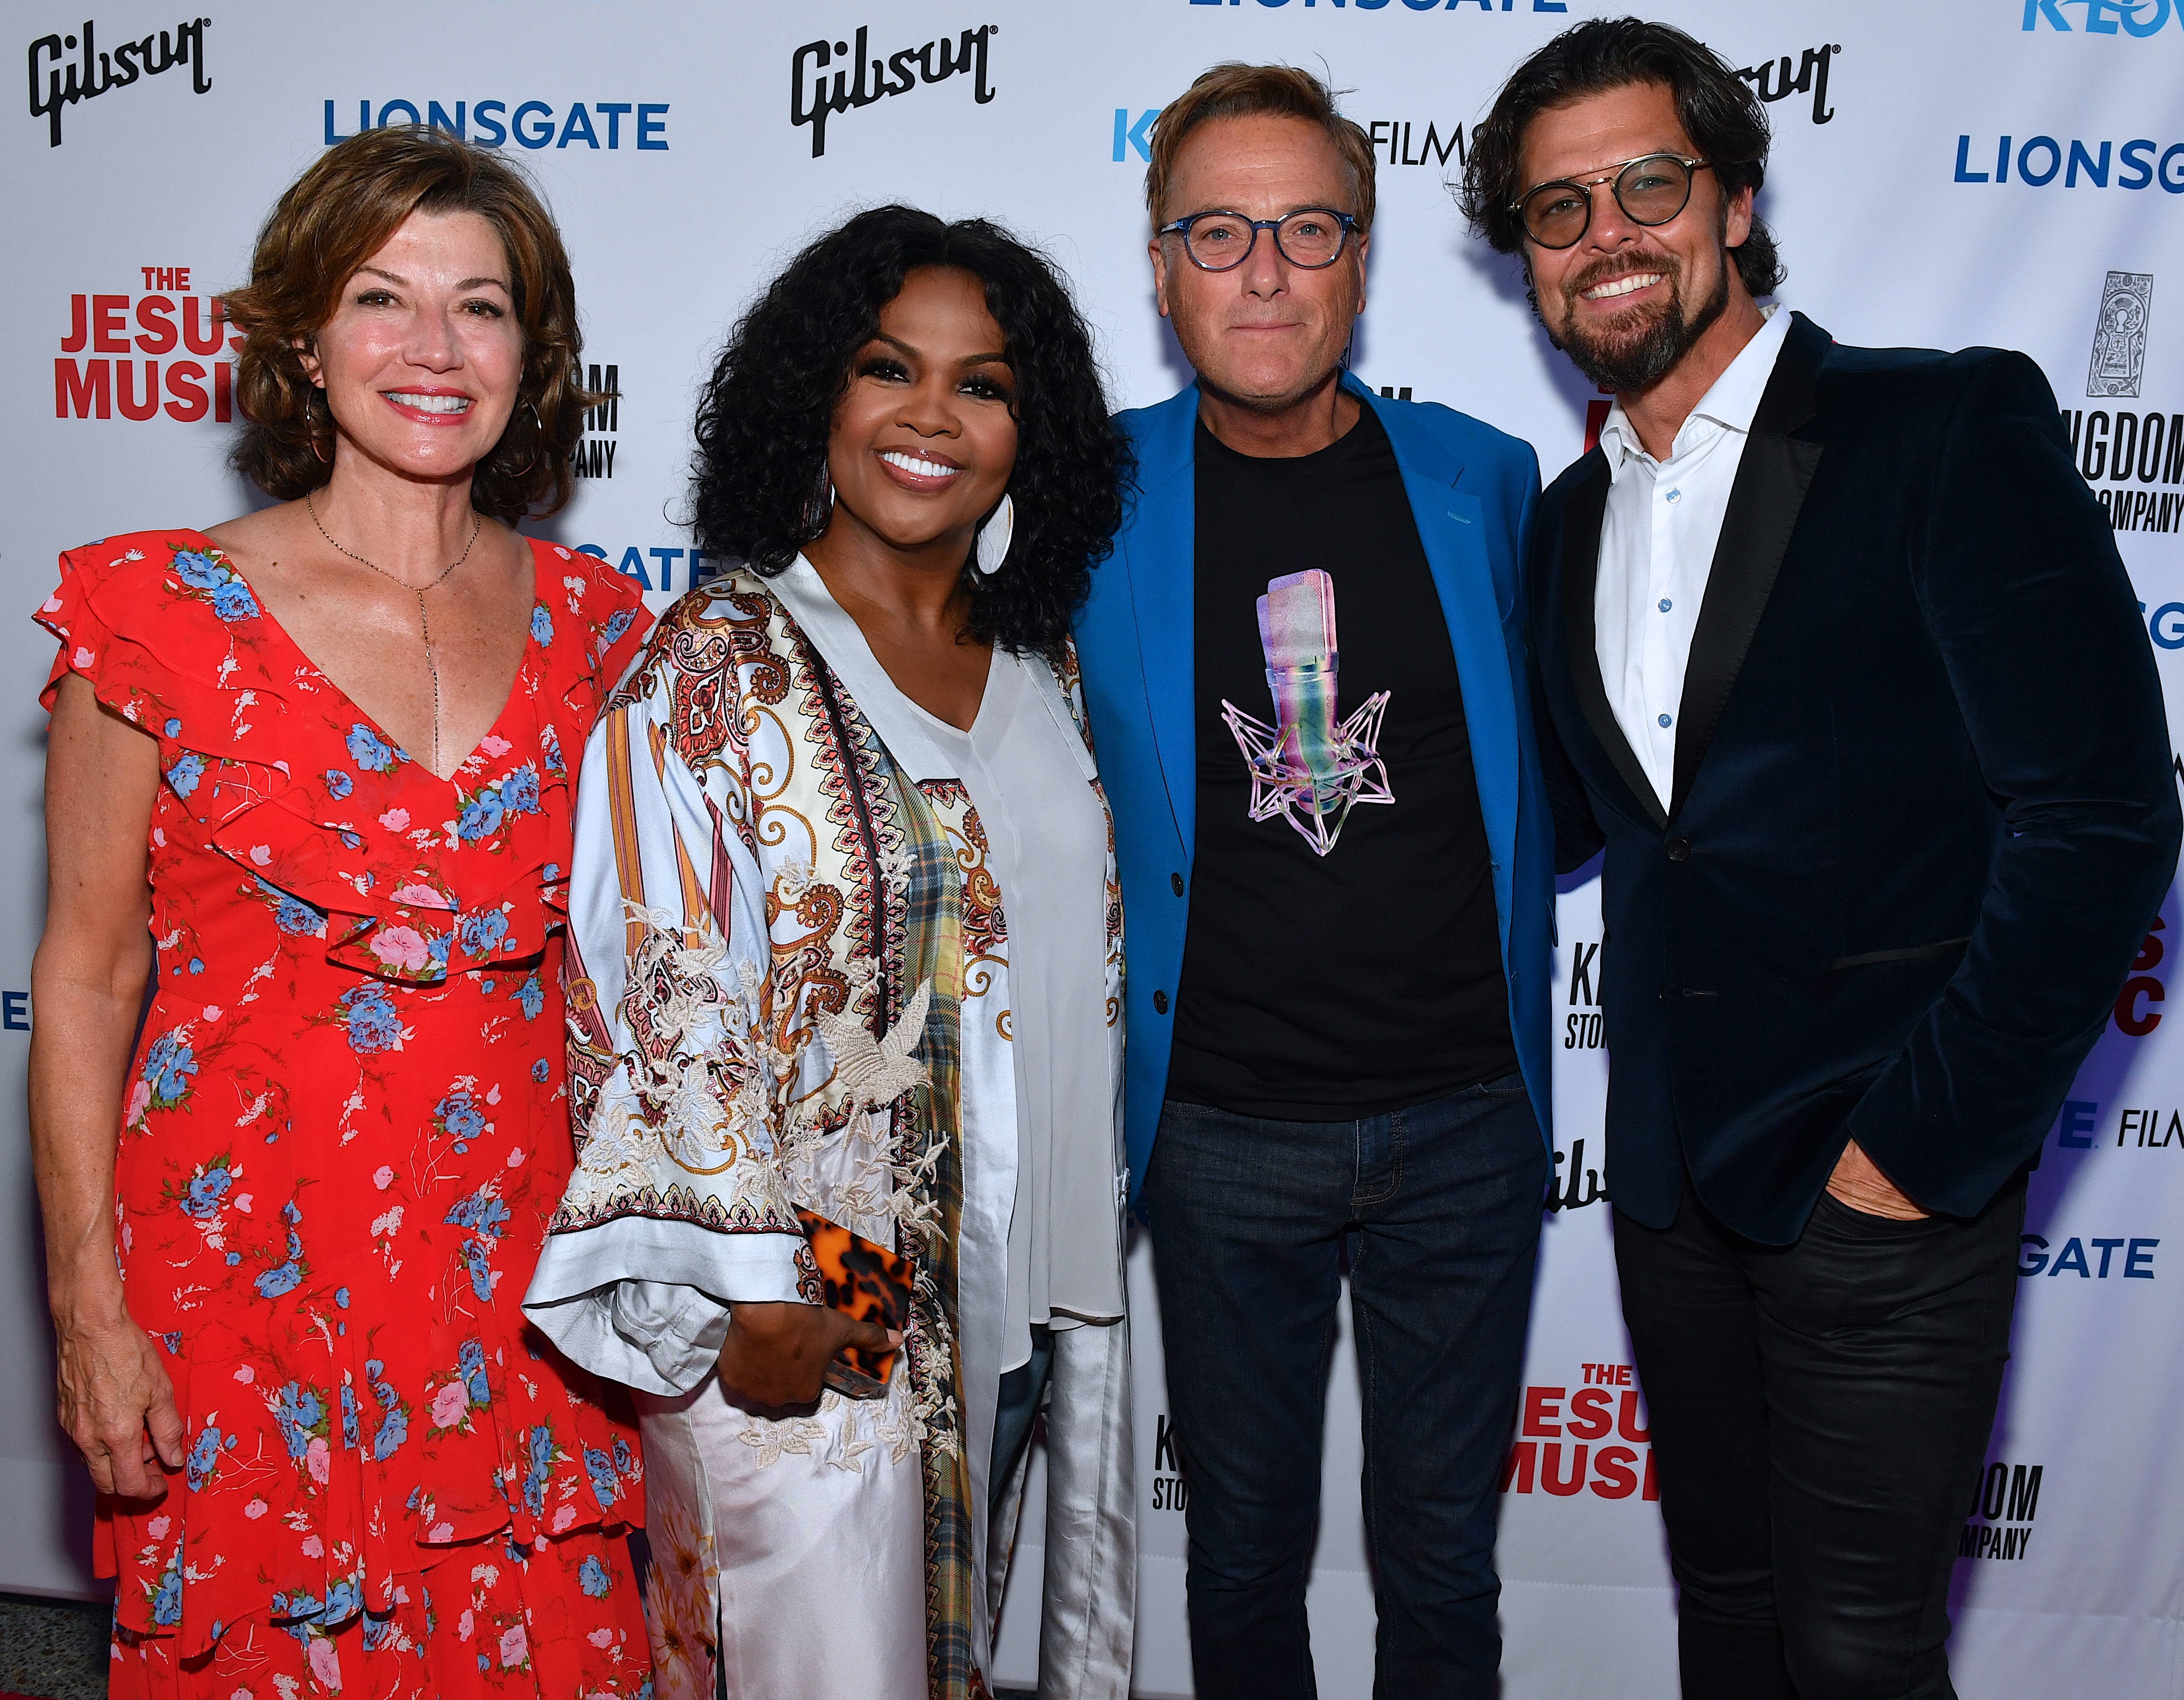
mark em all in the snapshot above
pixel 1304 669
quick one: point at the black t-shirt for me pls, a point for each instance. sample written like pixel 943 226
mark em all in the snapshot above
pixel 1328 988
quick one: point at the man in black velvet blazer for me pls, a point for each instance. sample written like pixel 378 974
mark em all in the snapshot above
pixel 1847 676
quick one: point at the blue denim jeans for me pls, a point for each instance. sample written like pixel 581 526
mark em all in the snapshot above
pixel 1438 1208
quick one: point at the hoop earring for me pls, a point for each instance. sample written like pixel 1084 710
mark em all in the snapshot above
pixel 540 426
pixel 310 430
pixel 993 537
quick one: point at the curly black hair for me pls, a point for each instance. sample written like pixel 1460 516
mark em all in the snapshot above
pixel 759 482
pixel 1718 110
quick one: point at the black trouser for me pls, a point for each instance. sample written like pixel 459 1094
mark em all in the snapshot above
pixel 1439 1206
pixel 1817 1412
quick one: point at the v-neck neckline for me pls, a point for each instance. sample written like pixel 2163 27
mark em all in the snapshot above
pixel 370 721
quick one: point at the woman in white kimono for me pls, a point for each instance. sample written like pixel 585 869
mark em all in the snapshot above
pixel 845 938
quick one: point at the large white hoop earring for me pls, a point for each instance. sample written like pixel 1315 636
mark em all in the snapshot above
pixel 993 537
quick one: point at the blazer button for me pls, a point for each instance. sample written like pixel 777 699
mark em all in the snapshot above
pixel 1176 881
pixel 1160 1003
pixel 1679 849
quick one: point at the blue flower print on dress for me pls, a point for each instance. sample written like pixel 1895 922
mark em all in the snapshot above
pixel 207 1188
pixel 540 1070
pixel 352 1419
pixel 203 1458
pixel 481 932
pixel 612 631
pixel 291 915
pixel 531 996
pixel 459 1117
pixel 393 1429
pixel 173 728
pixel 470 1363
pixel 373 1024
pixel 199 571
pixel 300 1414
pixel 550 745
pixel 542 625
pixel 376 1631
pixel 477 1259
pixel 167 1600
pixel 168 1067
pixel 592 1577
pixel 480 817
pixel 519 791
pixel 338 783
pixel 541 1471
pixel 283 1278
pixel 183 775
pixel 372 751
pixel 599 1467
pixel 233 601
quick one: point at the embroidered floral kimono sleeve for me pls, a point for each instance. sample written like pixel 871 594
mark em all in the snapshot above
pixel 679 1207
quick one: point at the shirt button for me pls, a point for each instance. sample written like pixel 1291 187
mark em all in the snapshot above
pixel 1176 881
pixel 1665 719
pixel 1673 496
pixel 1679 849
pixel 1160 1003
pixel 1666 605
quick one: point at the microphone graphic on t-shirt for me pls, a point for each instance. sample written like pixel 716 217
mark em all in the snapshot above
pixel 1305 766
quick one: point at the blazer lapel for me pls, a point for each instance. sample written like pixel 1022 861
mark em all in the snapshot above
pixel 1772 478
pixel 1450 524
pixel 1583 512
pixel 1157 553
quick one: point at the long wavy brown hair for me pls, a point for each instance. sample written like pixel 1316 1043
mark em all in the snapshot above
pixel 333 219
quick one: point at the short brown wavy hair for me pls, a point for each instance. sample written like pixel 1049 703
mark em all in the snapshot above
pixel 332 219
pixel 1235 90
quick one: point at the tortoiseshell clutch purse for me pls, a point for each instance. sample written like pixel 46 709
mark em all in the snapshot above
pixel 865 1281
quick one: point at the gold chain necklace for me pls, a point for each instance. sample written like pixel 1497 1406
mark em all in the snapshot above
pixel 432 660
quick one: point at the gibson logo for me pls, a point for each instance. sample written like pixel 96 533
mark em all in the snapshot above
pixel 813 95
pixel 55 87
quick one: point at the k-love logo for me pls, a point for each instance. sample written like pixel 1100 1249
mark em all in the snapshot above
pixel 2005 1499
pixel 814 96
pixel 2139 18
pixel 1606 1406
pixel 530 124
pixel 89 383
pixel 1772 82
pixel 58 83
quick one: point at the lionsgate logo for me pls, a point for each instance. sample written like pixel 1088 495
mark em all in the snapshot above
pixel 59 83
pixel 814 94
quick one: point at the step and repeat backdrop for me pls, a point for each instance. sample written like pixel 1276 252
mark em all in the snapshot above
pixel 1960 171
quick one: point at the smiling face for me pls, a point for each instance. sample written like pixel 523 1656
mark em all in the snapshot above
pixel 1267 334
pixel 924 438
pixel 421 362
pixel 1628 301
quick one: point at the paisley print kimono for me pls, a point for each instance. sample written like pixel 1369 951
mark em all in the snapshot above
pixel 790 987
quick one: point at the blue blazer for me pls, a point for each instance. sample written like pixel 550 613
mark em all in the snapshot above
pixel 1473 491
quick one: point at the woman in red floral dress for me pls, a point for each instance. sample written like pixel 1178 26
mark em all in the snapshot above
pixel 308 773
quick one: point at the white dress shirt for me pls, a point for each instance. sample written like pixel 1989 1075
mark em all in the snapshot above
pixel 1657 545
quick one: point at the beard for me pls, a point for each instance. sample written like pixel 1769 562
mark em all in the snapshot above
pixel 1636 348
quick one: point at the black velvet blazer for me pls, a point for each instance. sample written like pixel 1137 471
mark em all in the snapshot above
pixel 1922 811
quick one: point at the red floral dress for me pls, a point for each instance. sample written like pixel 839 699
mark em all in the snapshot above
pixel 344 1134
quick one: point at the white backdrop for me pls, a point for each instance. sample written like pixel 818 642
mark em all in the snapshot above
pixel 677 142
